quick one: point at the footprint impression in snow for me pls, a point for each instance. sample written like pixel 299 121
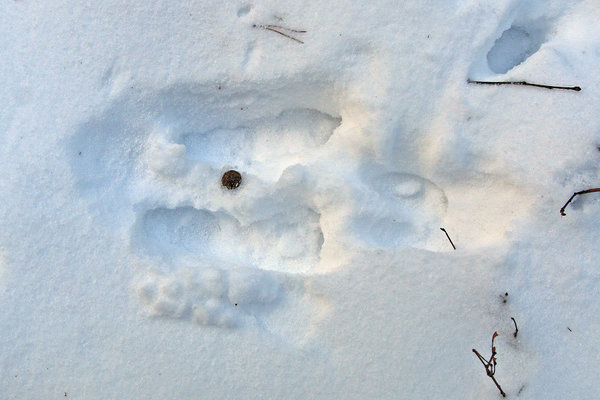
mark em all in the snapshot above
pixel 400 210
pixel 151 167
pixel 515 45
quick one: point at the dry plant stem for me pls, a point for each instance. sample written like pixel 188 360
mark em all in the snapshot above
pixel 490 365
pixel 281 33
pixel 489 372
pixel 516 328
pixel 562 210
pixel 448 236
pixel 285 29
pixel 523 83
pixel 498 386
pixel 278 29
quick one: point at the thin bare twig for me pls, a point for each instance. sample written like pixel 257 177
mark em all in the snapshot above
pixel 523 83
pixel 448 236
pixel 490 365
pixel 562 210
pixel 516 328
pixel 278 29
pixel 283 28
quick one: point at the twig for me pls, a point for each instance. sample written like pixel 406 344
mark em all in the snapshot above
pixel 448 236
pixel 285 29
pixel 562 210
pixel 490 365
pixel 516 328
pixel 278 29
pixel 523 83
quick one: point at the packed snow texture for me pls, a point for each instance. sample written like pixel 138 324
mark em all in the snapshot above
pixel 127 270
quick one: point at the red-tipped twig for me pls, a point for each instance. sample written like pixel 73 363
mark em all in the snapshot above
pixel 562 210
pixel 490 365
pixel 523 83
pixel 278 29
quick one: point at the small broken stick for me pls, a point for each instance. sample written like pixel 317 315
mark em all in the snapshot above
pixel 523 83
pixel 448 236
pixel 516 328
pixel 279 29
pixel 562 210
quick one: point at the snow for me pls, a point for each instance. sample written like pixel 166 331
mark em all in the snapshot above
pixel 128 271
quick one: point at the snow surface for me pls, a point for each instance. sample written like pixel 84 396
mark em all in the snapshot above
pixel 127 271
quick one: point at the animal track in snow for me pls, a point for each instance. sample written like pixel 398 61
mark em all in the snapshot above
pixel 244 10
pixel 252 57
pixel 263 147
pixel 409 210
pixel 151 166
pixel 186 236
pixel 208 296
pixel 284 306
pixel 518 37
pixel 515 45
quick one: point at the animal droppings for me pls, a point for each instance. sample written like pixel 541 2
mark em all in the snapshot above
pixel 231 179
